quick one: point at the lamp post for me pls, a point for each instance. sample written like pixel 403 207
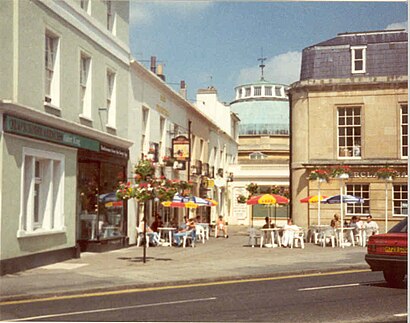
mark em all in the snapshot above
pixel 319 180
pixel 341 178
pixel 386 197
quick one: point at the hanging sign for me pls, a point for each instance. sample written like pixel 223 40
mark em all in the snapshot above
pixel 180 148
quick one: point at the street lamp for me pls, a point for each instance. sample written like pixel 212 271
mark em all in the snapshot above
pixel 387 180
pixel 342 177
pixel 319 180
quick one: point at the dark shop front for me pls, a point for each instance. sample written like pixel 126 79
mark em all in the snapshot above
pixel 101 219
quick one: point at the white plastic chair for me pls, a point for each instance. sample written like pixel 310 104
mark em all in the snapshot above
pixel 298 237
pixel 188 236
pixel 254 235
pixel 200 233
pixel 329 235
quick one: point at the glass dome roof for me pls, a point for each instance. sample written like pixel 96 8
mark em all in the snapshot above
pixel 262 117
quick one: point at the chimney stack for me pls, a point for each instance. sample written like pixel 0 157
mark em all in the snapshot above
pixel 160 72
pixel 182 89
pixel 153 64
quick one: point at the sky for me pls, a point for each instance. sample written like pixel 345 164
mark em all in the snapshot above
pixel 218 43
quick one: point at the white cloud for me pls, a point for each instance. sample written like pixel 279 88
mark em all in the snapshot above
pixel 283 68
pixel 139 14
pixel 398 25
pixel 144 12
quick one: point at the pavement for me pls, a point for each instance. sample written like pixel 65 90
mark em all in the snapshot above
pixel 219 259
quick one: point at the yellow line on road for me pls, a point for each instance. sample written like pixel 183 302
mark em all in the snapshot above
pixel 149 289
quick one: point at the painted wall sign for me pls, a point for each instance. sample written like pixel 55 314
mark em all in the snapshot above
pixel 34 130
pixel 372 174
pixel 114 151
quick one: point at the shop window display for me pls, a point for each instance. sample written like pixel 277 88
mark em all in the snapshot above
pixel 101 216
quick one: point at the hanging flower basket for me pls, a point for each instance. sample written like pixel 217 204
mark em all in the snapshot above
pixel 280 190
pixel 144 169
pixel 340 171
pixel 319 174
pixel 386 173
pixel 252 188
pixel 241 199
pixel 168 161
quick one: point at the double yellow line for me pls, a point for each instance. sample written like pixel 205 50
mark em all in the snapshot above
pixel 149 289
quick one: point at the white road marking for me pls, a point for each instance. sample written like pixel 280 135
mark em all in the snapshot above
pixel 328 287
pixel 33 318
pixel 400 315
pixel 61 265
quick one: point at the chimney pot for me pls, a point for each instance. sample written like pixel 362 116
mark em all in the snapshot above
pixel 153 64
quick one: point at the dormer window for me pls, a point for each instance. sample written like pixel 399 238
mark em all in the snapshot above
pixel 358 54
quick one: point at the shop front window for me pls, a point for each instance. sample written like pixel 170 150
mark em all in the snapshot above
pixel 101 216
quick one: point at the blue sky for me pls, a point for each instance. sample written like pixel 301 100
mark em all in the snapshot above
pixel 218 42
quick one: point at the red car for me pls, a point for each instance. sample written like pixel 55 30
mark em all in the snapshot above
pixel 388 253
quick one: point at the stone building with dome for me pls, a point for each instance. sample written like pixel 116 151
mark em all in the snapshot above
pixel 263 153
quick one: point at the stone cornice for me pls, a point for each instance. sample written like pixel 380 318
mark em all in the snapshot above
pixel 353 83
pixel 46 119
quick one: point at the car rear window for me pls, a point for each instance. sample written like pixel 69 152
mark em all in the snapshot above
pixel 400 227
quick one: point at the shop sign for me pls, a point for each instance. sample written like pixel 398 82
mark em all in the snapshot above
pixel 33 130
pixel 114 151
pixel 180 148
pixel 371 174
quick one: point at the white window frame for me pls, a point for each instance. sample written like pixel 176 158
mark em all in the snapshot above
pixel 359 193
pixel 110 17
pixel 257 91
pixel 404 125
pixel 46 180
pixel 111 100
pixel 354 50
pixel 247 91
pixel 278 91
pixel 85 5
pixel 399 197
pixel 268 91
pixel 85 85
pixel 353 151
pixel 51 68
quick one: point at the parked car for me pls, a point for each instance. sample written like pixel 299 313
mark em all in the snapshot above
pixel 388 253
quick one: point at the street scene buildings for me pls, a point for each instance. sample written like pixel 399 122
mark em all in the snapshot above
pixel 78 111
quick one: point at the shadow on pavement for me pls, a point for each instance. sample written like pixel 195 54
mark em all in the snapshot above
pixel 140 259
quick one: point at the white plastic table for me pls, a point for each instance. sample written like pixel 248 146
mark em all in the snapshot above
pixel 273 232
pixel 162 232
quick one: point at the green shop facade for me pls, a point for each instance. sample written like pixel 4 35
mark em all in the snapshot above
pixel 58 190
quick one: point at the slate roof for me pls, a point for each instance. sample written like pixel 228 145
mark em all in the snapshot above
pixel 364 38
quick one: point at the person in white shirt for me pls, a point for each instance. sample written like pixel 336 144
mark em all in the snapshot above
pixel 371 226
pixel 288 232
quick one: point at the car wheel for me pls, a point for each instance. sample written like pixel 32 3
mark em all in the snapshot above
pixel 393 278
